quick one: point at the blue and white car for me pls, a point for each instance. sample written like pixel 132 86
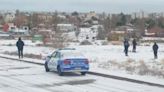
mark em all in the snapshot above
pixel 67 60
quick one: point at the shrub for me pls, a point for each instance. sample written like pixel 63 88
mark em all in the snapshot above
pixel 34 56
pixel 129 65
pixel 142 68
pixel 85 42
pixel 104 43
pixel 162 62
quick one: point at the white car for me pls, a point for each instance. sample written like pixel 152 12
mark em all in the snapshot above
pixel 67 60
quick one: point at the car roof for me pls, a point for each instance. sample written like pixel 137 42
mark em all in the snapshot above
pixel 71 54
pixel 67 49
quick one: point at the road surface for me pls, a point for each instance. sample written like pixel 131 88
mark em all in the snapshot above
pixel 17 76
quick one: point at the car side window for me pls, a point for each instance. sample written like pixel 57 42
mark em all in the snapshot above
pixel 57 55
pixel 53 54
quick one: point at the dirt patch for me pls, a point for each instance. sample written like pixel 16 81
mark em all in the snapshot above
pixel 76 82
pixel 33 56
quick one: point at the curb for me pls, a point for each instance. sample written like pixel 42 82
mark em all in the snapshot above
pixel 99 74
pixel 126 79
pixel 27 61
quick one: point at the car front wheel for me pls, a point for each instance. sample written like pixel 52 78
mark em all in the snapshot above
pixel 59 71
pixel 46 67
pixel 83 73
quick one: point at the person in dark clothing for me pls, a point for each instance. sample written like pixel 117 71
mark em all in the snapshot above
pixel 126 46
pixel 134 45
pixel 155 50
pixel 20 45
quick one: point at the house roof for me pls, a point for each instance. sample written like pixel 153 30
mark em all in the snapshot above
pixel 64 24
pixel 156 30
pixel 124 28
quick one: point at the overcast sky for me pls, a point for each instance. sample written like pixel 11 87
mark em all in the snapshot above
pixel 110 6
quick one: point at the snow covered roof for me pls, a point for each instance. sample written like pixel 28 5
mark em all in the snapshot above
pixel 20 30
pixel 64 24
pixel 4 34
pixel 85 29
pixel 45 30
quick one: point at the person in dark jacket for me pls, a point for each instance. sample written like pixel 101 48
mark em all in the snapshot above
pixel 134 45
pixel 20 45
pixel 126 46
pixel 155 50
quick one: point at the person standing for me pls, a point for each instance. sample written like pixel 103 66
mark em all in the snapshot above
pixel 155 50
pixel 134 45
pixel 20 45
pixel 126 46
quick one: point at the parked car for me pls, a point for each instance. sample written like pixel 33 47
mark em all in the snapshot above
pixel 67 60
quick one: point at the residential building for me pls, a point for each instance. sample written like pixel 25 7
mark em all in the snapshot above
pixel 123 29
pixel 89 33
pixel 9 17
pixel 66 27
pixel 121 32
pixel 5 35
pixel 45 17
pixel 154 32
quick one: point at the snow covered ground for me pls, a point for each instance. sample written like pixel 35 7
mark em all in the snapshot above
pixel 110 59
pixel 18 76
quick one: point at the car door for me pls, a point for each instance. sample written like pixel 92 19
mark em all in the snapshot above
pixel 54 61
pixel 50 63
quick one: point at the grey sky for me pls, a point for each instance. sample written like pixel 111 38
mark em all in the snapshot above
pixel 114 6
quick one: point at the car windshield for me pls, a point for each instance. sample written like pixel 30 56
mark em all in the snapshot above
pixel 71 54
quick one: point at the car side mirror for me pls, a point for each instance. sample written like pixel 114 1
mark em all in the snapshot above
pixel 48 56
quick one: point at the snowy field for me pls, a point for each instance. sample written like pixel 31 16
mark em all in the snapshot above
pixel 18 76
pixel 109 59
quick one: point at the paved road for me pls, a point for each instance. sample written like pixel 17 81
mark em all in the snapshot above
pixel 16 76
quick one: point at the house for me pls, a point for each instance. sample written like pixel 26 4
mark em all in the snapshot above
pixel 45 17
pixel 20 32
pixel 11 27
pixel 8 27
pixel 121 32
pixel 9 17
pixel 154 32
pixel 86 34
pixel 149 33
pixel 66 27
pixel 89 33
pixel 5 35
pixel 91 14
pixel 61 16
pixel 24 30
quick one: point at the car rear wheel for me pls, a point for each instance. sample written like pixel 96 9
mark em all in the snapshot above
pixel 83 73
pixel 46 67
pixel 59 71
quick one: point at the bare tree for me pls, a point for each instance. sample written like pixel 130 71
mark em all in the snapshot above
pixel 2 21
pixel 59 39
pixel 101 33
